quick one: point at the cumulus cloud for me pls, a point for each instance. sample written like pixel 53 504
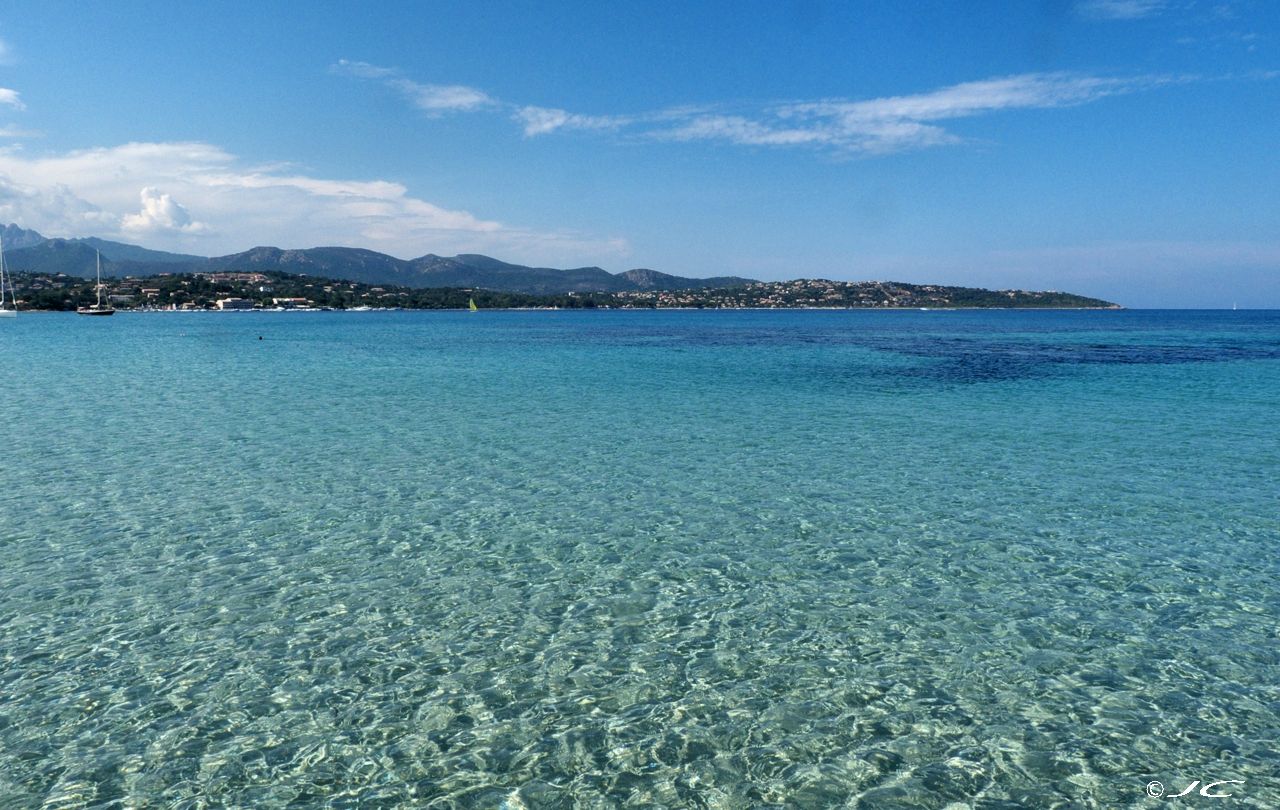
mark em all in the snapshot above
pixel 227 206
pixel 160 212
pixel 54 207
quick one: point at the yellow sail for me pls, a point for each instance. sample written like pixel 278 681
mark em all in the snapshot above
pixel 473 306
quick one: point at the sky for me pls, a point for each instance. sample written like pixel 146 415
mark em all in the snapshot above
pixel 1126 149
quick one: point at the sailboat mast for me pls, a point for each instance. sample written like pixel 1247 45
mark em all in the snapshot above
pixel 11 309
pixel 99 278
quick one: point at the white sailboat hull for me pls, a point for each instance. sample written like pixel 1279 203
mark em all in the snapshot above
pixel 8 313
pixel 98 308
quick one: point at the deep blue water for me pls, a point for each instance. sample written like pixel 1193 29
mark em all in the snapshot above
pixel 596 559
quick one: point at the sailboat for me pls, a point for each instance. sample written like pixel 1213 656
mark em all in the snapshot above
pixel 471 305
pixel 10 311
pixel 98 308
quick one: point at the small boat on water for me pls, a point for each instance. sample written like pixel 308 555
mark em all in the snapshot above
pixel 98 308
pixel 471 305
pixel 9 310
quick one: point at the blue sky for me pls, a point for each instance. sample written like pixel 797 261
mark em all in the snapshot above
pixel 1120 148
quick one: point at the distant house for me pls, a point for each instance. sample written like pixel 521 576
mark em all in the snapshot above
pixel 235 303
pixel 291 303
pixel 250 278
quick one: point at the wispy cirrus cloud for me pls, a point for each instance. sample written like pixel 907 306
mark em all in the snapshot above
pixel 543 120
pixel 443 98
pixel 10 98
pixel 848 126
pixel 895 123
pixel 1119 9
pixel 431 98
pixel 362 70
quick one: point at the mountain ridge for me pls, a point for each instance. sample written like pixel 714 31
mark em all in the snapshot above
pixel 33 252
pixel 30 252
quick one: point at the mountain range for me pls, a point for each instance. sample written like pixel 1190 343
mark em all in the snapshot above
pixel 28 251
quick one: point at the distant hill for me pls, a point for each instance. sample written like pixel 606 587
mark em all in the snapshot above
pixel 473 270
pixel 463 270
pixel 817 293
pixel 122 252
pixel 350 264
pixel 28 251
pixel 181 290
pixel 56 256
pixel 15 237
pixel 645 279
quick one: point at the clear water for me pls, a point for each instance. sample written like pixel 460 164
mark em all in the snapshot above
pixel 625 559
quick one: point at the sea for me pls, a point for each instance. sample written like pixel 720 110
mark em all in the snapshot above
pixel 681 559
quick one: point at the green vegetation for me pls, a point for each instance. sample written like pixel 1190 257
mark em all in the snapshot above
pixel 60 292
pixel 820 293
pixel 267 290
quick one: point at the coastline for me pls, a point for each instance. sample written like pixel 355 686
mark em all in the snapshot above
pixel 273 311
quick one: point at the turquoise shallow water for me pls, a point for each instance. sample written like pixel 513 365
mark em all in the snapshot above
pixel 681 559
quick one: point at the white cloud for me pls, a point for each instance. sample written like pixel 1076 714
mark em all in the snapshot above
pixel 361 70
pixel 10 97
pixel 438 98
pixel 740 130
pixel 432 98
pixel 6 53
pixel 54 207
pixel 542 120
pixel 1119 9
pixel 896 123
pixel 869 127
pixel 160 212
pixel 227 206
pixel 971 98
